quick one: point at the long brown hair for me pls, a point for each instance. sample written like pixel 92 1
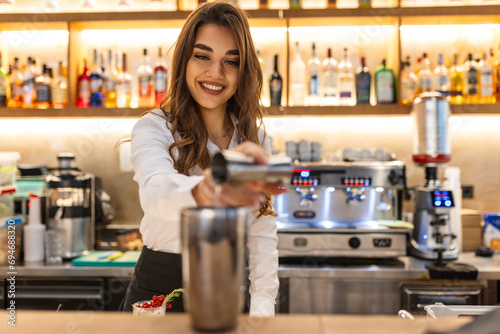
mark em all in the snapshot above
pixel 181 110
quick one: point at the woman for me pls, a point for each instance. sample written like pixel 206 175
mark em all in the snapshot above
pixel 212 105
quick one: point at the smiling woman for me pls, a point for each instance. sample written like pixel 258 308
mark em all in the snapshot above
pixel 212 105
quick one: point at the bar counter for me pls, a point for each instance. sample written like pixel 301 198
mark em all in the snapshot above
pixel 113 322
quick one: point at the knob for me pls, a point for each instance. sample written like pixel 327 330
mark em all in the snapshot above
pixel 354 242
pixel 393 178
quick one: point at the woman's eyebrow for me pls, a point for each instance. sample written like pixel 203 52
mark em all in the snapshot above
pixel 233 52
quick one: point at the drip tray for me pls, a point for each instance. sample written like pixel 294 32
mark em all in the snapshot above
pixel 341 262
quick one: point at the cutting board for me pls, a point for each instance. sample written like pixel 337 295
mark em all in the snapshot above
pixel 128 259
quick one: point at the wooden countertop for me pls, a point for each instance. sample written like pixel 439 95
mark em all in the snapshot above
pixel 42 322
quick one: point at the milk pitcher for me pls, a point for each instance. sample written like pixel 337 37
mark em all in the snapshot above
pixel 213 262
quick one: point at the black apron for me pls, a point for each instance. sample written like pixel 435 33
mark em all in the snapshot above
pixel 156 273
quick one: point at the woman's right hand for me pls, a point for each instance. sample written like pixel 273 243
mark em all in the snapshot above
pixel 247 194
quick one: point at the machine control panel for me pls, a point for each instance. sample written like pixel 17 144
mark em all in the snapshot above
pixel 305 177
pixel 356 181
pixel 442 199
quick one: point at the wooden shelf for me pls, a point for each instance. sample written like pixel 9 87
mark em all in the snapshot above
pixel 312 111
pixel 257 13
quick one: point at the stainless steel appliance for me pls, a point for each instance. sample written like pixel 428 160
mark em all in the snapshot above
pixel 70 205
pixel 433 237
pixel 343 209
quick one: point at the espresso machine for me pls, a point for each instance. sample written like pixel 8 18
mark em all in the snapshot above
pixel 433 234
pixel 70 205
pixel 343 209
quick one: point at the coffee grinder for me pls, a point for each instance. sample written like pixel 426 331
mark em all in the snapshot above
pixel 433 235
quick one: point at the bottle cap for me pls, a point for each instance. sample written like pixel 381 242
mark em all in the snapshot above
pixel 34 217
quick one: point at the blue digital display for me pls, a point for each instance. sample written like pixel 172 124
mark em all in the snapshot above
pixel 305 173
pixel 442 199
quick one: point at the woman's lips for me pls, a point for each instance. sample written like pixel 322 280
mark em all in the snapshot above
pixel 211 88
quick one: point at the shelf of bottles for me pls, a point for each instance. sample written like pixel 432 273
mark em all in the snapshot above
pixel 354 69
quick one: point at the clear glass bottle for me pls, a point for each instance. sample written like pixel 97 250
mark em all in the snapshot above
pixel 363 83
pixel 347 88
pixel 424 76
pixel 123 4
pixel 471 81
pixel 275 84
pixel 330 80
pixel 442 78
pixel 297 79
pixel 456 82
pixel 124 85
pixel 16 86
pixel 29 93
pixel 295 4
pixel 313 66
pixel 83 98
pixel 95 78
pixel 88 4
pixel 146 84
pixel 4 83
pixel 485 79
pixel 408 82
pixel 110 76
pixel 384 84
pixel 160 78
pixel 43 89
pixel 60 87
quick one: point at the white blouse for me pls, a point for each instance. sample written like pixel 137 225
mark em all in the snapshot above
pixel 163 193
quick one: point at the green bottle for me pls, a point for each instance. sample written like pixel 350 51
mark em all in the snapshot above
pixel 385 90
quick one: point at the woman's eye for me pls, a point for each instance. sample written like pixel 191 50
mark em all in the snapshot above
pixel 202 57
pixel 234 63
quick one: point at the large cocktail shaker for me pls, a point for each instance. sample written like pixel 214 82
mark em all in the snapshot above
pixel 213 262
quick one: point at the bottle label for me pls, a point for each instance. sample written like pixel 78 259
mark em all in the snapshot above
pixel 84 90
pixel 275 87
pixel 363 87
pixel 160 81
pixel 385 87
pixel 42 93
pixel 144 85
pixel 95 85
pixel 472 82
pixel 59 95
pixel 110 85
pixel 314 86
pixel 425 84
pixel 330 84
pixel 3 86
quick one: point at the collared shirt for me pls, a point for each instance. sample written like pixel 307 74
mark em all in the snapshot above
pixel 163 193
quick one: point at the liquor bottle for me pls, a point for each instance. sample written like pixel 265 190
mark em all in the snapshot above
pixel 7 6
pixel 124 85
pixel 29 93
pixel 295 4
pixel 16 86
pixel 456 82
pixel 363 83
pixel 424 76
pixel 60 87
pixel 88 4
pixel 442 78
pixel 124 4
pixel 347 86
pixel 3 84
pixel 384 84
pixel 331 3
pixel 408 82
pixel 51 5
pixel 471 83
pixel 275 84
pixel 485 80
pixel 263 4
pixel 496 79
pixel 95 78
pixel 330 80
pixel 297 79
pixel 314 66
pixel 160 78
pixel 83 99
pixel 110 76
pixel 42 87
pixel 146 84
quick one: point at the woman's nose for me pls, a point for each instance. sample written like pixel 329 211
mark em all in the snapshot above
pixel 216 70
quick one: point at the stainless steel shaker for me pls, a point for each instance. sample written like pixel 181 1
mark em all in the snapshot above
pixel 213 262
pixel 231 166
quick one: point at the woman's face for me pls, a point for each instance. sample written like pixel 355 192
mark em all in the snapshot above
pixel 212 69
